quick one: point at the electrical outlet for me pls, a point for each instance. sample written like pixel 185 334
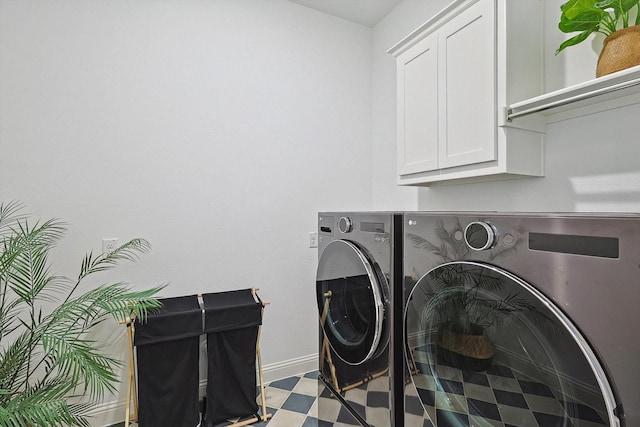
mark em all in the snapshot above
pixel 313 239
pixel 109 244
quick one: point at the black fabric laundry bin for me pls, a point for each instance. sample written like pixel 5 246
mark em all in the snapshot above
pixel 232 320
pixel 167 346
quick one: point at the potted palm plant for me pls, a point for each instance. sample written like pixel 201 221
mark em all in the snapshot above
pixel 617 20
pixel 463 300
pixel 51 371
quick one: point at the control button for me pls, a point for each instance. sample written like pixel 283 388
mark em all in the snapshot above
pixel 480 236
pixel 458 235
pixel 345 225
pixel 508 239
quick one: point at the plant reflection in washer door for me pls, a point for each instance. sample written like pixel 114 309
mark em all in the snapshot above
pixel 463 300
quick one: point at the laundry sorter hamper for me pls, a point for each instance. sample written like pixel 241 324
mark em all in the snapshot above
pixel 168 348
pixel 232 323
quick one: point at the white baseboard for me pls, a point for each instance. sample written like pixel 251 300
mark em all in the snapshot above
pixel 113 413
pixel 291 367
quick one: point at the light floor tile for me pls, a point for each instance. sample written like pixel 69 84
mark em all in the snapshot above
pixel 379 384
pixel 284 418
pixel 426 382
pixel 451 402
pixel 504 383
pixel 548 405
pixel 276 397
pixel 479 392
pixel 306 386
pixel 517 416
pixel 313 412
pixel 483 422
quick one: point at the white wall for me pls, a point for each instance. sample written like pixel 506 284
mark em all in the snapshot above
pixel 216 130
pixel 591 162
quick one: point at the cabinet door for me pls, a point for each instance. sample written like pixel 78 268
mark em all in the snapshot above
pixel 466 89
pixel 418 108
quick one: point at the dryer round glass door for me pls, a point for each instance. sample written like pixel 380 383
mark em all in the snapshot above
pixel 350 297
pixel 486 348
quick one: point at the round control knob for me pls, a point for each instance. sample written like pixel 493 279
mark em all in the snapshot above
pixel 345 225
pixel 480 236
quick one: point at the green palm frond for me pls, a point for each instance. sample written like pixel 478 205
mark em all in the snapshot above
pixel 10 212
pixel 45 403
pixel 130 251
pixel 51 371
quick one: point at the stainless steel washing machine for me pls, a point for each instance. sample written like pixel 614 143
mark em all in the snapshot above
pixel 359 255
pixel 521 319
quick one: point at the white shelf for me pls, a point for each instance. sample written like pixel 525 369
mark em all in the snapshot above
pixel 603 93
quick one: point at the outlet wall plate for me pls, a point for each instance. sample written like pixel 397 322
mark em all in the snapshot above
pixel 313 239
pixel 109 244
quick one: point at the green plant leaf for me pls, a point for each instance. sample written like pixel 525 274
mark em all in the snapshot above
pixel 588 16
pixel 573 41
pixel 619 6
pixel 573 8
pixel 582 21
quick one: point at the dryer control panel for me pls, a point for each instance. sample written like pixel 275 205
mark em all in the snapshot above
pixel 325 225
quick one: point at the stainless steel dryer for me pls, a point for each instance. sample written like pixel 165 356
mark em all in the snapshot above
pixel 358 262
pixel 521 319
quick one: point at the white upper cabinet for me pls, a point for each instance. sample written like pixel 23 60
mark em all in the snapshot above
pixel 457 74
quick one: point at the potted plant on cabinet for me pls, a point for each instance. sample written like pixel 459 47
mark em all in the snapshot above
pixel 52 372
pixel 617 20
pixel 462 300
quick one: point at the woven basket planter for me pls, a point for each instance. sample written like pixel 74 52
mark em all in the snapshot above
pixel 621 50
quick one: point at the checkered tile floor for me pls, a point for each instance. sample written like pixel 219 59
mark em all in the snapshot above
pixel 496 397
pixel 499 397
pixel 370 400
pixel 292 402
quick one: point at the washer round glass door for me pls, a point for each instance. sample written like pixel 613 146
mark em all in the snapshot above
pixel 351 302
pixel 486 348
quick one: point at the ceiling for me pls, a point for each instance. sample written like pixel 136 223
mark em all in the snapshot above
pixel 365 12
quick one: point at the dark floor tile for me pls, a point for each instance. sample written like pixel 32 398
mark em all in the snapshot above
pixel 478 378
pixel 450 386
pixel 378 399
pixel 501 371
pixel 511 399
pixel 344 416
pixel 483 409
pixel 299 403
pixel 548 420
pixel 286 383
pixel 326 393
pixel 313 375
pixel 310 422
pixel 428 397
pixel 583 412
pixel 271 411
pixel 531 387
pixel 425 368
pixel 412 405
pixel 451 419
